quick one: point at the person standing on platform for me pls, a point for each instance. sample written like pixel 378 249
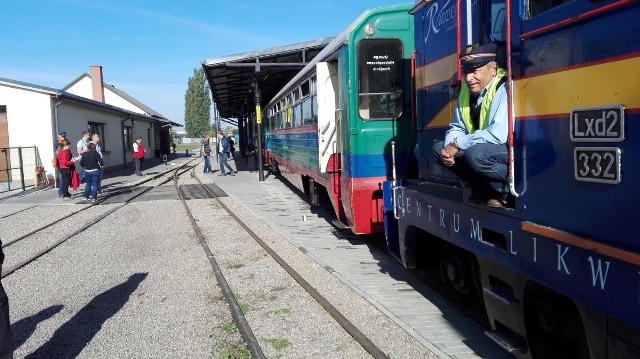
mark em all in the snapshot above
pixel 205 152
pixel 91 161
pixel 6 347
pixel 223 150
pixel 81 147
pixel 252 157
pixel 65 163
pixel 138 155
pixel 95 139
pixel 232 149
pixel 62 135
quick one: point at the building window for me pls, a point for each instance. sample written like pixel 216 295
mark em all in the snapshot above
pixel 99 129
pixel 128 137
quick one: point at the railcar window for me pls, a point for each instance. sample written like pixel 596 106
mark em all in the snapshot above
pixel 307 116
pixel 314 107
pixel 279 121
pixel 305 88
pixel 380 79
pixel 537 7
pixel 297 115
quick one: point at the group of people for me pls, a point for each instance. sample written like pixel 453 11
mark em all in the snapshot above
pixel 91 165
pixel 225 149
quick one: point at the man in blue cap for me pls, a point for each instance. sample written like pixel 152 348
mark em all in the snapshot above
pixel 475 145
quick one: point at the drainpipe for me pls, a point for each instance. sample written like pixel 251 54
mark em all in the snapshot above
pixel 124 148
pixel 55 116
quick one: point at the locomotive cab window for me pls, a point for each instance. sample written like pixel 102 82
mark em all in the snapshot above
pixel 380 74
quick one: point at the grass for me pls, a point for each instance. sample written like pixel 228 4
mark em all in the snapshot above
pixel 278 344
pixel 277 289
pixel 236 266
pixel 229 328
pixel 233 351
pixel 244 308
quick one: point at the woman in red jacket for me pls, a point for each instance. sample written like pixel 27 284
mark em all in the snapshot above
pixel 65 163
pixel 138 154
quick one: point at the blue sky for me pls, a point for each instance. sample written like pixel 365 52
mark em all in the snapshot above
pixel 149 48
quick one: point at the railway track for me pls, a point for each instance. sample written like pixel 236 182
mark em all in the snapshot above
pixel 39 241
pixel 236 311
pixel 35 243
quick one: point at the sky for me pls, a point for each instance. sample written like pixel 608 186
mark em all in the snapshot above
pixel 150 48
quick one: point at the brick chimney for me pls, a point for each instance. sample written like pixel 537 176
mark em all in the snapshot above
pixel 96 83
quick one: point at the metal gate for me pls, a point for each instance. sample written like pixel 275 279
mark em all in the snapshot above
pixel 21 167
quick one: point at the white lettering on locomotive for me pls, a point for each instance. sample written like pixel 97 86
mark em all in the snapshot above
pixel 475 230
pixel 561 261
pixel 596 274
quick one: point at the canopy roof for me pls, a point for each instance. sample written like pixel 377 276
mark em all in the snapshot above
pixel 231 78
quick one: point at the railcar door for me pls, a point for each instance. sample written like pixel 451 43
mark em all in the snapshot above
pixel 327 75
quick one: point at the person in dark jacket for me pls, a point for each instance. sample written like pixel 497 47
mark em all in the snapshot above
pixel 92 163
pixel 6 348
pixel 224 150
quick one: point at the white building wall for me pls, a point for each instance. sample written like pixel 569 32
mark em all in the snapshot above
pixel 113 99
pixel 83 88
pixel 29 120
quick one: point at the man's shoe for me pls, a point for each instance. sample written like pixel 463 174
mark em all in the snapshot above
pixel 222 174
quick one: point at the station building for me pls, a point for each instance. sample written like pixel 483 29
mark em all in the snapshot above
pixel 32 115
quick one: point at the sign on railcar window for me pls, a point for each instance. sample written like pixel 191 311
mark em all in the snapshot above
pixel 380 79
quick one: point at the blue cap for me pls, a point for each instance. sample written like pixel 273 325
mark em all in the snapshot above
pixel 62 133
pixel 475 56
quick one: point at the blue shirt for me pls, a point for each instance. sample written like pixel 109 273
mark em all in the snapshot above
pixel 496 131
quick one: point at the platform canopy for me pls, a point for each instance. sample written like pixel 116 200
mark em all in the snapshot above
pixel 232 78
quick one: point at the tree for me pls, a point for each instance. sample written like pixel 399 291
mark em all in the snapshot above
pixel 197 106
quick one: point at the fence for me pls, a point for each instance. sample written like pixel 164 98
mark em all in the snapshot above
pixel 21 167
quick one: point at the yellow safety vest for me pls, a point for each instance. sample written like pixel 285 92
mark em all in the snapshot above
pixel 465 109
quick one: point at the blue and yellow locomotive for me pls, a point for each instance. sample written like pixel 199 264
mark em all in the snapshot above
pixel 559 270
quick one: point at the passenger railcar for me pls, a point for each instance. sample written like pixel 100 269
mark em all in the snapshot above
pixel 558 272
pixel 330 129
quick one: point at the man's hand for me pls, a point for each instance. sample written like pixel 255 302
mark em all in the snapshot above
pixel 447 155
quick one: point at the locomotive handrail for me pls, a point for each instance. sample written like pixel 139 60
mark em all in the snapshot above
pixel 414 116
pixel 510 115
